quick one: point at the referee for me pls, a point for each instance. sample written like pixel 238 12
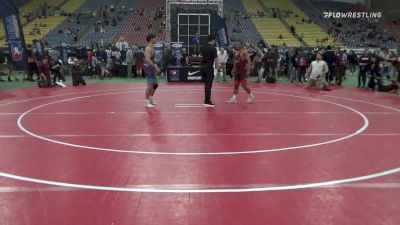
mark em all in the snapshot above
pixel 210 58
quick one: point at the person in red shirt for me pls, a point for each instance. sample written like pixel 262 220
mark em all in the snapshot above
pixel 303 64
pixel 365 65
pixel 89 62
pixel 340 70
pixel 32 65
pixel 45 74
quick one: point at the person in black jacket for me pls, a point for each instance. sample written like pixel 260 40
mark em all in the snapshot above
pixel 2 63
pixel 56 70
pixel 295 67
pixel 353 60
pixel 375 78
pixel 76 71
pixel 210 58
pixel 330 59
pixel 365 65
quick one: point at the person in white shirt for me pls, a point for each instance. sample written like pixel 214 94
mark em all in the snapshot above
pixel 222 59
pixel 316 74
pixel 129 62
pixel 258 61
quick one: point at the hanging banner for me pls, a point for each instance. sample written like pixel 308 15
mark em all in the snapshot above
pixel 14 35
pixel 39 49
pixel 219 27
pixel 177 48
pixel 64 54
pixel 159 53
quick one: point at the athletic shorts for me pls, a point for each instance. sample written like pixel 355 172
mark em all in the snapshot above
pixel 139 65
pixel 151 75
pixel 238 82
pixel 241 77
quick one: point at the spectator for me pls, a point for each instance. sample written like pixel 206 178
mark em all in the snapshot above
pixel 365 65
pixel 375 81
pixel 222 59
pixel 295 67
pixel 330 58
pixel 258 61
pixel 352 60
pixel 89 62
pixel 271 64
pixel 56 70
pixel 130 60
pixel 396 65
pixel 54 54
pixel 75 36
pixel 292 29
pixel 2 63
pixel 303 64
pixel 316 74
pixel 122 44
pixel 139 55
pixel 45 74
pixel 196 44
pixel 109 68
pixel 340 70
pixel 76 71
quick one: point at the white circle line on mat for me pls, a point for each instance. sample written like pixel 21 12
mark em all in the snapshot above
pixel 359 131
pixel 173 189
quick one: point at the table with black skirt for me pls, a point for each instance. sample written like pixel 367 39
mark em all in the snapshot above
pixel 184 74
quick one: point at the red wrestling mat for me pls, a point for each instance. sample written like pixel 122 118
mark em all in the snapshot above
pixel 95 155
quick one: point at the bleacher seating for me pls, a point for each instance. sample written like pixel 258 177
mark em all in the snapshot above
pixel 271 28
pixel 242 19
pixel 109 36
pixel 62 33
pixel 246 30
pixel 93 5
pixel 234 6
pixel 111 33
pixel 34 5
pixel 72 5
pixel 311 33
pixel 54 37
pixel 252 7
pixel 138 28
pixel 352 36
pixel 20 3
pixel 2 30
pixel 142 20
pixel 245 27
pixel 51 22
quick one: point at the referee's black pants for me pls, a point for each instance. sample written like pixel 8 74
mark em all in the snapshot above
pixel 208 73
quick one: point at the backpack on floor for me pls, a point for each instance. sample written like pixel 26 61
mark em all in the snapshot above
pixel 270 79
